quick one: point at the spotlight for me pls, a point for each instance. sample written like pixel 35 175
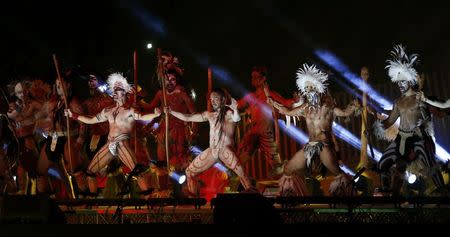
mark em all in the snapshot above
pixel 410 177
pixel 221 167
pixel 180 178
pixel 193 94
pixel 53 172
pixel 103 88
pixel 195 150
pixel 358 174
pixel 155 126
pixel 149 46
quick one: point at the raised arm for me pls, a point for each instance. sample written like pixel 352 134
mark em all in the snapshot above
pixel 198 117
pixel 234 115
pixel 298 111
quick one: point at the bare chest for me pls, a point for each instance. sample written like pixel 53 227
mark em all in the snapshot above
pixel 119 115
pixel 318 116
pixel 408 106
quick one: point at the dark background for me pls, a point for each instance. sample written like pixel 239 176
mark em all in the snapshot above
pixel 232 35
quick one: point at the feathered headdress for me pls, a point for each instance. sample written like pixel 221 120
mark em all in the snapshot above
pixel 311 76
pixel 116 80
pixel 171 62
pixel 401 65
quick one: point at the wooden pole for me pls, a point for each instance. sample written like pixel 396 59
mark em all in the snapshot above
pixel 208 101
pixel 135 77
pixel 161 77
pixel 66 105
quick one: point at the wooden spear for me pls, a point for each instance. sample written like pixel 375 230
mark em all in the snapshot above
pixel 161 78
pixel 66 105
pixel 135 97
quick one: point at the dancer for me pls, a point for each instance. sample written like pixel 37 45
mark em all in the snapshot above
pixel 121 118
pixel 261 134
pixel 319 110
pixel 222 126
pixel 413 148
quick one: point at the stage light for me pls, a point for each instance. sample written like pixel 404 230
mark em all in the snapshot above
pixel 149 46
pixel 220 167
pixel 294 132
pixel 53 172
pixel 193 94
pixel 180 178
pixel 347 170
pixel 195 150
pixel 412 178
pixel 358 174
pixel 351 139
pixel 155 126
pixel 103 88
pixel 334 62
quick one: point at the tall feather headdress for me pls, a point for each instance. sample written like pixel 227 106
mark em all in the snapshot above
pixel 401 66
pixel 116 80
pixel 311 76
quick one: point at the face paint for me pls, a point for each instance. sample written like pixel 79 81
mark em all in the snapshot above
pixel 18 91
pixel 119 95
pixel 257 79
pixel 313 98
pixel 171 82
pixel 403 86
pixel 216 101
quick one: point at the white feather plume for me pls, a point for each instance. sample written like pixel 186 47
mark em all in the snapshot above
pixel 311 76
pixel 118 80
pixel 401 66
pixel 385 134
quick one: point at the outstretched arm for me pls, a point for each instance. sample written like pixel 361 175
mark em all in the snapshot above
pixel 99 118
pixel 353 107
pixel 298 111
pixel 442 105
pixel 198 117
pixel 147 117
pixel 281 100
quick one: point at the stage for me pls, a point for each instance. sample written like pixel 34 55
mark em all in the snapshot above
pixel 250 208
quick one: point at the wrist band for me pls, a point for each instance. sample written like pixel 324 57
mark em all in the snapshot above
pixel 75 116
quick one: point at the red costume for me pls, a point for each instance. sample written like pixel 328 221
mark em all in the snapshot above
pixel 261 132
pixel 179 131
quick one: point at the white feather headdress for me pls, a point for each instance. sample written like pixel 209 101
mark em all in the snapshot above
pixel 401 65
pixel 117 80
pixel 311 76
